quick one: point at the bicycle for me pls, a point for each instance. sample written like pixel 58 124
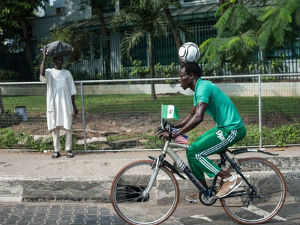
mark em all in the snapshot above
pixel 147 192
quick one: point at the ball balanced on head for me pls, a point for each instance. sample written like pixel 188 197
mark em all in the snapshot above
pixel 189 52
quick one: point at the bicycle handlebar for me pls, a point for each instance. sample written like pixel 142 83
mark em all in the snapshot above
pixel 166 126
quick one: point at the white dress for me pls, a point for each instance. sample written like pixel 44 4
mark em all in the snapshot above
pixel 60 88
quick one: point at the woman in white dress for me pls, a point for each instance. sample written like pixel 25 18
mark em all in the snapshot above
pixel 61 105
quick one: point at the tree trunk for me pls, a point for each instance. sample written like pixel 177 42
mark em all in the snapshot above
pixel 27 50
pixel 105 42
pixel 29 59
pixel 151 65
pixel 1 102
pixel 174 31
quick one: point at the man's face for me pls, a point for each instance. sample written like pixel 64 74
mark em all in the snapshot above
pixel 184 79
pixel 58 61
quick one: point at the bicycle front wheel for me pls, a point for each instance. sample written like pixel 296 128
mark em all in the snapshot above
pixel 135 208
pixel 263 204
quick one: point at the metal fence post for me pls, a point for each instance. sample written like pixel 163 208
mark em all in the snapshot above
pixel 259 112
pixel 83 114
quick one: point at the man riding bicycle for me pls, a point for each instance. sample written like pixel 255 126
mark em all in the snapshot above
pixel 229 129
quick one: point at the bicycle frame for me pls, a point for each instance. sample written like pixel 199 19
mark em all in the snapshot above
pixel 208 192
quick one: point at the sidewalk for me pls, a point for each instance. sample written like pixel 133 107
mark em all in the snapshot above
pixel 28 176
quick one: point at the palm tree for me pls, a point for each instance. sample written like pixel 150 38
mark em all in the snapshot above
pixel 142 17
pixel 1 103
pixel 97 7
pixel 173 27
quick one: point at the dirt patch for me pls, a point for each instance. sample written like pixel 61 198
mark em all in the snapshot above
pixel 131 124
pixel 103 124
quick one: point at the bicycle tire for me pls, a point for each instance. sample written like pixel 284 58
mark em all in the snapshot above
pixel 128 185
pixel 271 190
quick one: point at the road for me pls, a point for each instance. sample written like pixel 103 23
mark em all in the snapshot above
pixel 94 213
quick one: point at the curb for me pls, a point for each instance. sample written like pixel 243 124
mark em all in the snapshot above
pixel 17 189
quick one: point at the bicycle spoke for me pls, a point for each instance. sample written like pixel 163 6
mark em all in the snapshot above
pixel 268 198
pixel 128 199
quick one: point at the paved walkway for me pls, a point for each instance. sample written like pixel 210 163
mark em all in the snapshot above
pixel 36 176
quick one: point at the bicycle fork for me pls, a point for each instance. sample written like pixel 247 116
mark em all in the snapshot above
pixel 156 167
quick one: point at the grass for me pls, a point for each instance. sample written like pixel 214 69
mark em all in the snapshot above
pixel 247 106
pixel 134 103
pixel 34 104
pixel 279 112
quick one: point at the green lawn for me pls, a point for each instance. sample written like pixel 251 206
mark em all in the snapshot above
pixel 279 113
pixel 247 106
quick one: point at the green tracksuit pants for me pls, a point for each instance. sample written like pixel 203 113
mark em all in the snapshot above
pixel 211 142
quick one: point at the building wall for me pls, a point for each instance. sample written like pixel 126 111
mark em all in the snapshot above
pixel 41 26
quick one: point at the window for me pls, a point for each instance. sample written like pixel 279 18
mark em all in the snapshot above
pixel 165 51
pixel 124 3
pixel 201 31
pixel 60 10
pixel 96 43
pixel 107 7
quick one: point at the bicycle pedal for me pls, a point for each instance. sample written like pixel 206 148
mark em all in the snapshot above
pixel 194 201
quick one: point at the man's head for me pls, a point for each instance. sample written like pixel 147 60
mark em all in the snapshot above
pixel 189 73
pixel 58 62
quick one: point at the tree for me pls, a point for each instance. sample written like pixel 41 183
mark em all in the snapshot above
pixel 142 17
pixel 173 27
pixel 279 21
pixel 15 20
pixel 236 41
pixel 1 103
pixel 244 30
pixel 97 9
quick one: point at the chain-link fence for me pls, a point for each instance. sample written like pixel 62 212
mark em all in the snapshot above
pixel 120 114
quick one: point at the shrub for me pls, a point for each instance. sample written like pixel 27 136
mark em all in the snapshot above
pixel 9 75
pixel 278 136
pixel 8 119
pixel 7 138
pixel 28 141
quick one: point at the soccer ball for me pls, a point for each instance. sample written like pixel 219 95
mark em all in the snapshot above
pixel 189 52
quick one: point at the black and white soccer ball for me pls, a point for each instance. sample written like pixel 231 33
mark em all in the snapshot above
pixel 189 52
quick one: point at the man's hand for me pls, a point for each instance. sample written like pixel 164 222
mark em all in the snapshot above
pixel 165 135
pixel 45 53
pixel 42 67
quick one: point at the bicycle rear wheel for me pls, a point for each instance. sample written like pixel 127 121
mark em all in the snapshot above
pixel 263 205
pixel 128 186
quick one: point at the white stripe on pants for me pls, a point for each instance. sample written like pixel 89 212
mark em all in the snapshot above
pixel 56 141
